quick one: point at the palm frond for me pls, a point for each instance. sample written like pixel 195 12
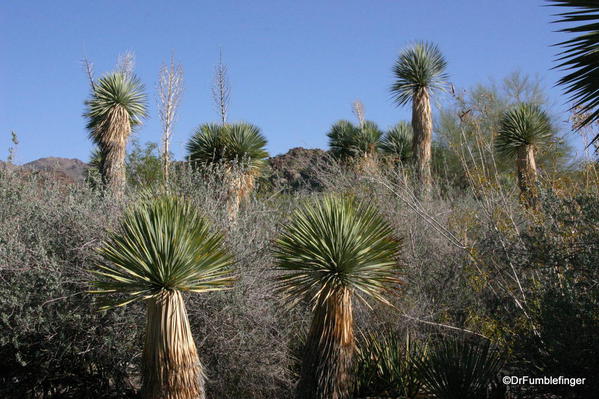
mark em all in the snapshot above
pixel 525 124
pixel 240 142
pixel 397 142
pixel 419 67
pixel 118 103
pixel 162 244
pixel 581 56
pixel 336 243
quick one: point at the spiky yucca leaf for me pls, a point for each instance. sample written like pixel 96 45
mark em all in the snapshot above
pixel 162 244
pixel 336 243
pixel 421 66
pixel 118 103
pixel 385 365
pixel 341 139
pixel 457 369
pixel 581 56
pixel 397 142
pixel 524 125
pixel 347 140
pixel 239 142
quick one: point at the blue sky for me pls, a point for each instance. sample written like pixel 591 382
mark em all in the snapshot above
pixel 295 66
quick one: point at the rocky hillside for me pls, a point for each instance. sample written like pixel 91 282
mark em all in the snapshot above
pixel 73 168
pixel 297 168
pixel 64 170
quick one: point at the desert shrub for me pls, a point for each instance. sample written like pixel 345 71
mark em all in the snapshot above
pixel 247 331
pixel 560 339
pixel 143 164
pixel 53 341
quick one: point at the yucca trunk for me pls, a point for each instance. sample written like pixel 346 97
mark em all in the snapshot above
pixel 113 144
pixel 326 367
pixel 422 125
pixel 367 164
pixel 171 367
pixel 527 173
pixel 239 186
pixel 113 168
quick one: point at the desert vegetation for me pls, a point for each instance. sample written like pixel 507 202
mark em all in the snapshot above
pixel 428 260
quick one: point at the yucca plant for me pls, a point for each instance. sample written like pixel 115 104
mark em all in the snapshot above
pixel 580 57
pixel 356 144
pixel 162 249
pixel 522 130
pixel 116 106
pixel 385 366
pixel 331 250
pixel 397 143
pixel 457 369
pixel 419 72
pixel 240 147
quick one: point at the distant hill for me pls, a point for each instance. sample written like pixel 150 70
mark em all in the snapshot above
pixel 62 170
pixel 73 168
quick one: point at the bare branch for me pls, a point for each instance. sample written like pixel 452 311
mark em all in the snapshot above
pixel 88 67
pixel 170 89
pixel 221 90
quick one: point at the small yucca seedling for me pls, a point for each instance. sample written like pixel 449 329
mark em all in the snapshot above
pixel 331 250
pixel 163 248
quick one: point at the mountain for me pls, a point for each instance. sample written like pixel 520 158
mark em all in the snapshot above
pixel 72 168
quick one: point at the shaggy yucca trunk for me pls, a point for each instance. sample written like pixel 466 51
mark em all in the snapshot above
pixel 239 186
pixel 329 350
pixel 527 174
pixel 115 132
pixel 113 168
pixel 171 367
pixel 367 164
pixel 422 125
